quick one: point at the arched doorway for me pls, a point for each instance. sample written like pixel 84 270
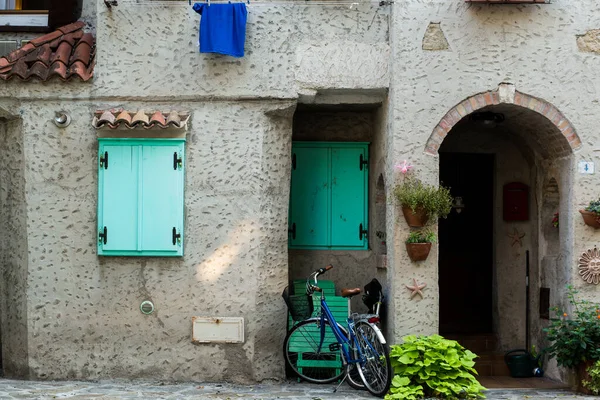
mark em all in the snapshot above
pixel 507 156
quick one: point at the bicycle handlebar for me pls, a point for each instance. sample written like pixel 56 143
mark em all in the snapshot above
pixel 309 286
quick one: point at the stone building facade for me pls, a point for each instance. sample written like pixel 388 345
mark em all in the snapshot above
pixel 404 76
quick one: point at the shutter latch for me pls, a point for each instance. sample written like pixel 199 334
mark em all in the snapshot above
pixel 362 232
pixel 362 161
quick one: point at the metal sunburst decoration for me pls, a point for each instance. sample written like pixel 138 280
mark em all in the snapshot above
pixel 589 266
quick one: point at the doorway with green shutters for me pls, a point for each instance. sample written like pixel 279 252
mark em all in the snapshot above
pixel 336 160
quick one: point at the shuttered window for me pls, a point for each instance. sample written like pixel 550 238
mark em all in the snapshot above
pixel 140 197
pixel 329 196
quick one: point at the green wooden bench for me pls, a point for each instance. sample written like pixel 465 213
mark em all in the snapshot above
pixel 305 346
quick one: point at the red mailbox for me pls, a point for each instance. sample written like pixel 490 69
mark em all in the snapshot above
pixel 515 202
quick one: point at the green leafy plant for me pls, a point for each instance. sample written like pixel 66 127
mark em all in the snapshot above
pixel 576 338
pixel 594 383
pixel 421 237
pixel 412 193
pixel 432 366
pixel 594 206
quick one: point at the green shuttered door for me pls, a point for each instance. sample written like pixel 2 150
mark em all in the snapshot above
pixel 328 199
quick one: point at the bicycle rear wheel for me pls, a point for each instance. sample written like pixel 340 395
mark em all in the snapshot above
pixel 376 370
pixel 306 359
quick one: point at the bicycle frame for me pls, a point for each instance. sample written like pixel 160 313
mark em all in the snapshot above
pixel 339 335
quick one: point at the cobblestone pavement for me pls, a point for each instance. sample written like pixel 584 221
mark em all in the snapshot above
pixel 15 389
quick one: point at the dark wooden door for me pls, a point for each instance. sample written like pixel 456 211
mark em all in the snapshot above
pixel 466 245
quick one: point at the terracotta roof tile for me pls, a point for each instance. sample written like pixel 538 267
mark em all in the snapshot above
pixel 118 118
pixel 83 53
pixel 65 53
pixel 39 70
pixel 75 26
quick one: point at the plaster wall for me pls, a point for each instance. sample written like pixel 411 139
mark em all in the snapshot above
pixel 235 263
pixel 14 261
pixel 151 50
pixel 238 167
pixel 530 46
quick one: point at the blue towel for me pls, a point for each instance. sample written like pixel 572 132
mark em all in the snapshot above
pixel 222 28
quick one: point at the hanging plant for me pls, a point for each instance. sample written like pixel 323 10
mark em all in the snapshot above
pixel 555 220
pixel 418 244
pixel 591 214
pixel 421 202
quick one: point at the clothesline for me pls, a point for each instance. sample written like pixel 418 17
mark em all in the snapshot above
pixel 254 3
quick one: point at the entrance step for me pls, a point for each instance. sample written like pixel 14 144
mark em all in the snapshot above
pixel 490 361
pixel 479 343
pixel 491 364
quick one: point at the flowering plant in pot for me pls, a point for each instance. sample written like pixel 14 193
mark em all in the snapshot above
pixel 591 214
pixel 421 202
pixel 575 338
pixel 418 244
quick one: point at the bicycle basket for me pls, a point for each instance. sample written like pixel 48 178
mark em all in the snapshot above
pixel 300 306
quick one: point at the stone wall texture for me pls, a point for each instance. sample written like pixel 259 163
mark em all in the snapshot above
pixel 67 313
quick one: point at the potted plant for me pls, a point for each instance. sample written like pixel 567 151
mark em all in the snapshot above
pixel 421 202
pixel 418 244
pixel 591 214
pixel 575 338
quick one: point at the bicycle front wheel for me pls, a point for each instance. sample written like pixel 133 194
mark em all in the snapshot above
pixel 310 359
pixel 375 369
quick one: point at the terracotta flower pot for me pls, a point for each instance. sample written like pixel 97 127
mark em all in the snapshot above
pixel 418 251
pixel 582 375
pixel 415 219
pixel 590 218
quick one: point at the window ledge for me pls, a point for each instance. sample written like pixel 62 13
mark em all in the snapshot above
pixel 23 12
pixel 16 20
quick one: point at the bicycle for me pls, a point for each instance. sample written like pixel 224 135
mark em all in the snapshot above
pixel 359 345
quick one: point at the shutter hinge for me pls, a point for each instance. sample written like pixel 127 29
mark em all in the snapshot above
pixel 292 231
pixel 103 236
pixel 176 161
pixel 294 161
pixel 363 161
pixel 104 160
pixel 362 232
pixel 176 236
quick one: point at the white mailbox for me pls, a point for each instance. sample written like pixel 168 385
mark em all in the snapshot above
pixel 217 329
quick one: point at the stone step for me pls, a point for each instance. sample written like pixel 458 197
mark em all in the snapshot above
pixel 478 343
pixel 491 364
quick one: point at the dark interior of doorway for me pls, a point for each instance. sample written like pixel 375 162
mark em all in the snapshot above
pixel 466 245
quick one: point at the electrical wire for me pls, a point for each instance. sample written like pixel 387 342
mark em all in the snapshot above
pixel 259 3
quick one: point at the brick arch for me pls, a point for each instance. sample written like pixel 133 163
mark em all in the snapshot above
pixel 505 94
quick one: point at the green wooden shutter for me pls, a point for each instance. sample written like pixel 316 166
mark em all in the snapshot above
pixel 329 195
pixel 348 196
pixel 161 200
pixel 309 205
pixel 140 197
pixel 119 197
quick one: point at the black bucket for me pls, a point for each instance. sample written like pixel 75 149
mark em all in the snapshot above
pixel 520 363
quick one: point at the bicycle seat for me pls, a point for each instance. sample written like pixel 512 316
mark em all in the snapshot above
pixel 350 292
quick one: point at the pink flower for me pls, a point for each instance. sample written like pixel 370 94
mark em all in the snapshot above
pixel 404 167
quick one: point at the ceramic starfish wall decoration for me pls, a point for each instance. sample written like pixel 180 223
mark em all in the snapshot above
pixel 416 288
pixel 516 237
